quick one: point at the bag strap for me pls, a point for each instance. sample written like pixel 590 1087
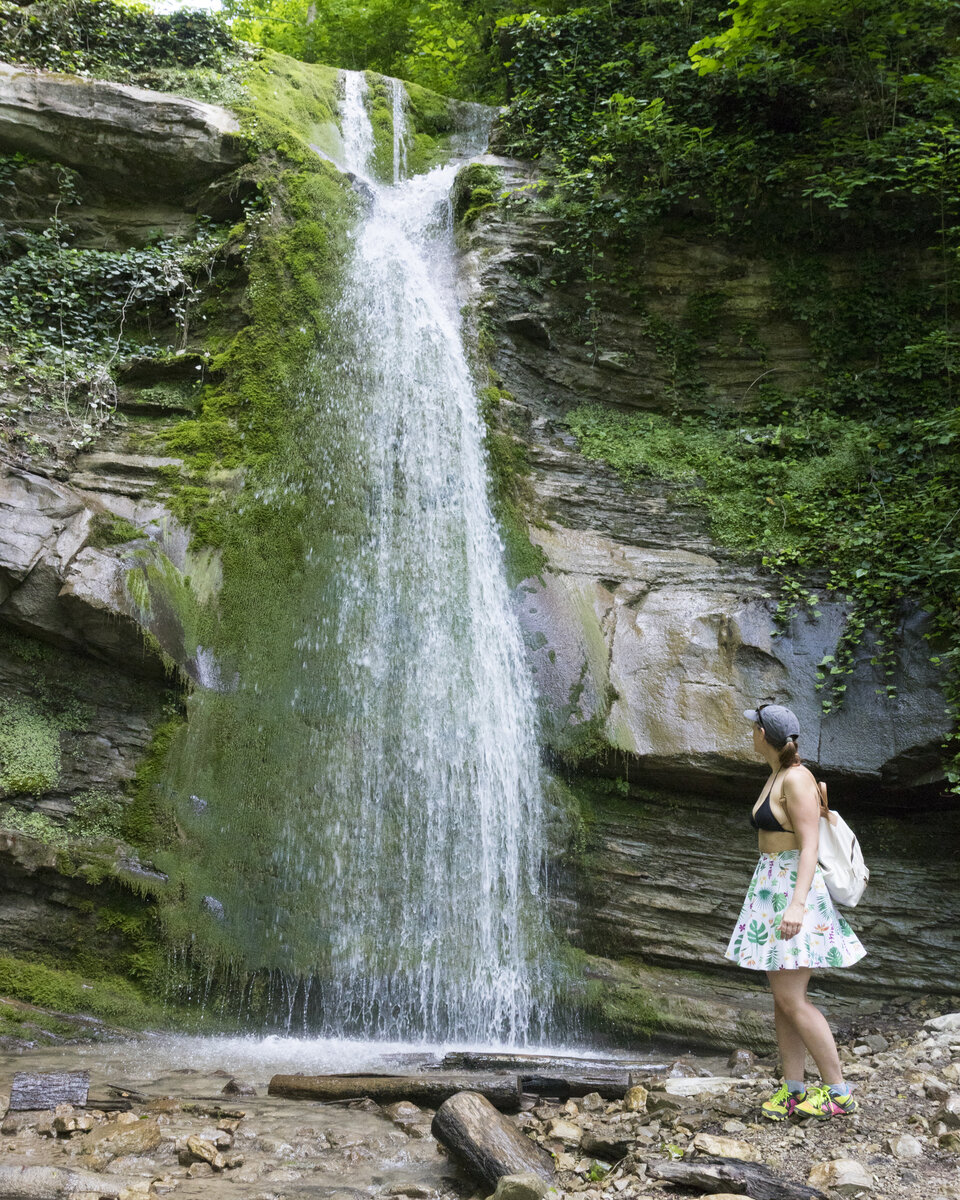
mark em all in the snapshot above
pixel 824 803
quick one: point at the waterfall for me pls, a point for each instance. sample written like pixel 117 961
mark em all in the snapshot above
pixel 382 827
pixel 431 819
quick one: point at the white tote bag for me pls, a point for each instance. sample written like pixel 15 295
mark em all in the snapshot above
pixel 841 859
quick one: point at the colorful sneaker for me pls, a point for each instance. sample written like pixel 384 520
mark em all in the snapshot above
pixel 820 1103
pixel 781 1104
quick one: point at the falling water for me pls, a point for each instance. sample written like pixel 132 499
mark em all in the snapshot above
pixel 402 897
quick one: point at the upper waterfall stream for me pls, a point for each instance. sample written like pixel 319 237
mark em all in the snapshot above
pixel 386 757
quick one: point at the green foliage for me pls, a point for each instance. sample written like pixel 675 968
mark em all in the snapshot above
pixel 807 111
pixel 439 44
pixel 65 306
pixel 67 313
pixel 36 825
pixel 87 36
pixel 807 131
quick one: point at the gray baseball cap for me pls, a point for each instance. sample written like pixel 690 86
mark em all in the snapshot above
pixel 778 723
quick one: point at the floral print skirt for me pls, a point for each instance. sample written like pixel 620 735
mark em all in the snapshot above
pixel 825 939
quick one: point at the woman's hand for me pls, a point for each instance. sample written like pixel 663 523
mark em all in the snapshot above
pixel 791 921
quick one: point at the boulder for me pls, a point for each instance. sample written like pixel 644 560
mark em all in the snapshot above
pixel 198 1149
pixel 845 1176
pixel 57 587
pixel 131 139
pixel 612 624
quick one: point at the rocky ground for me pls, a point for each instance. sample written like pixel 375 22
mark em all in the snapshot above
pixel 904 1142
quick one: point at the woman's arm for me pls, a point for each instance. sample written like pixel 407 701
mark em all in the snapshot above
pixel 802 802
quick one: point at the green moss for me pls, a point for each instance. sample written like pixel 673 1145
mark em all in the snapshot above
pixel 109 530
pixel 111 998
pixel 97 814
pixel 148 822
pixel 579 743
pixel 476 189
pixel 380 111
pixel 510 491
pixel 432 122
pixel 29 748
pixel 296 246
pixel 31 1024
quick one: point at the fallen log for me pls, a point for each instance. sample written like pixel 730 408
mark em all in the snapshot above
pixel 485 1142
pixel 32 1090
pixel 713 1175
pixel 430 1091
pixel 610 1087
pixel 522 1063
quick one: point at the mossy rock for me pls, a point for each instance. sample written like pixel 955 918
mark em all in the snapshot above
pixel 476 190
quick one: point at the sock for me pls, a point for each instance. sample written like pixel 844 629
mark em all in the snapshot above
pixel 795 1085
pixel 839 1089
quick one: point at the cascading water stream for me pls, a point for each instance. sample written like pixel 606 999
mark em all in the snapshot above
pixel 437 777
pixel 403 890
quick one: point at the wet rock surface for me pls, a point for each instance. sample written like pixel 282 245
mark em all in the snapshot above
pixel 172 1144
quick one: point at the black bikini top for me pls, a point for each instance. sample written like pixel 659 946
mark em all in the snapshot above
pixel 763 818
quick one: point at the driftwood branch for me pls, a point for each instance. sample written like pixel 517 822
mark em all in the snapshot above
pixel 430 1091
pixel 485 1142
pixel 713 1175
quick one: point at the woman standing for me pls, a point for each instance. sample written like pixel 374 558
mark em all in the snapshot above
pixel 788 925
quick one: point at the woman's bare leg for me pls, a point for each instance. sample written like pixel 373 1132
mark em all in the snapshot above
pixel 801 1026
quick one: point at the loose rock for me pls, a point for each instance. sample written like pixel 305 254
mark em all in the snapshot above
pixel 564 1131
pixel 845 1176
pixel 904 1146
pixel 726 1147
pixel 525 1186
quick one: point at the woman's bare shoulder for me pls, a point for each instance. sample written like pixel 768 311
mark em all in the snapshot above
pixel 799 780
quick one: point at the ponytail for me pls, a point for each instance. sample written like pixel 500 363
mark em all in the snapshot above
pixel 789 755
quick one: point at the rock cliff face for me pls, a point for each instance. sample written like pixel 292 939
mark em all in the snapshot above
pixel 141 142
pixel 640 626
pixel 97 583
